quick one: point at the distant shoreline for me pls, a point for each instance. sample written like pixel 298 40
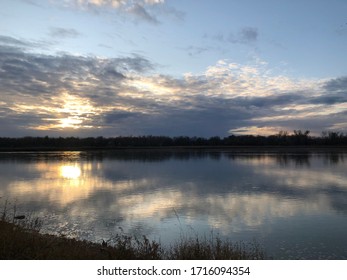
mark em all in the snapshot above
pixel 282 141
pixel 252 149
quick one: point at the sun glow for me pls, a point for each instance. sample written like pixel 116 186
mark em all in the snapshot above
pixel 70 122
pixel 70 172
pixel 76 111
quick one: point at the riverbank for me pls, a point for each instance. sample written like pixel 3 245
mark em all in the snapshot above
pixel 23 241
pixel 236 149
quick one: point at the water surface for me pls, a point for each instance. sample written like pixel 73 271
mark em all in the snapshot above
pixel 295 204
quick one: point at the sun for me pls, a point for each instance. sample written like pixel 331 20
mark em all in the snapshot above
pixel 75 112
pixel 71 122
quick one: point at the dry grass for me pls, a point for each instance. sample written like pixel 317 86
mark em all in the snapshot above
pixel 20 239
pixel 214 248
pixel 18 243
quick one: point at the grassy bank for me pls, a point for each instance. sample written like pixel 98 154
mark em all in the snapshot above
pixel 21 240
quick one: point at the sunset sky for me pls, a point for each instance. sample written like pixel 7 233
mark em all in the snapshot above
pixel 172 67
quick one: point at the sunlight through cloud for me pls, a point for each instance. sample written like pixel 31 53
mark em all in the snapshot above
pixel 78 110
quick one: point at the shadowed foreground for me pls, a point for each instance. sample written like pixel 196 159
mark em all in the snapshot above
pixel 21 240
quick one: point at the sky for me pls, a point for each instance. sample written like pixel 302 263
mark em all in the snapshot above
pixel 172 67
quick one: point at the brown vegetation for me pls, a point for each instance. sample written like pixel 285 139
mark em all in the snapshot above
pixel 21 239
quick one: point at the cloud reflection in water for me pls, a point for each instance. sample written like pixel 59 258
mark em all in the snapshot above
pixel 239 196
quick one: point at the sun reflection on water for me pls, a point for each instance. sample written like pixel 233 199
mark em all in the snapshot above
pixel 70 172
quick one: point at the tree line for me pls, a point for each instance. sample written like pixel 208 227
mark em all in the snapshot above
pixel 283 138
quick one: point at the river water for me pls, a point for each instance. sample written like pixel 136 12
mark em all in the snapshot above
pixel 293 203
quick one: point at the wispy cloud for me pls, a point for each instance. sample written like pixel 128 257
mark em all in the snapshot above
pixel 15 44
pixel 86 95
pixel 141 10
pixel 246 35
pixel 112 3
pixel 196 50
pixel 64 33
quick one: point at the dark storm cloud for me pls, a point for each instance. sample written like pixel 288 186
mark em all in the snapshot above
pixel 63 33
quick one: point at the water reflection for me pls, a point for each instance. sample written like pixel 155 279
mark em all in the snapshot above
pixel 70 172
pixel 282 157
pixel 240 195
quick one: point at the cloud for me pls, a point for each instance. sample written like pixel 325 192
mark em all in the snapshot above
pixel 10 41
pixel 195 50
pixel 246 35
pixel 116 3
pixel 114 117
pixel 64 33
pixel 143 10
pixel 86 95
pixel 153 2
pixel 140 12
pixel 342 30
pixel 11 44
pixel 330 99
pixel 337 85
pixel 335 92
pixel 61 90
